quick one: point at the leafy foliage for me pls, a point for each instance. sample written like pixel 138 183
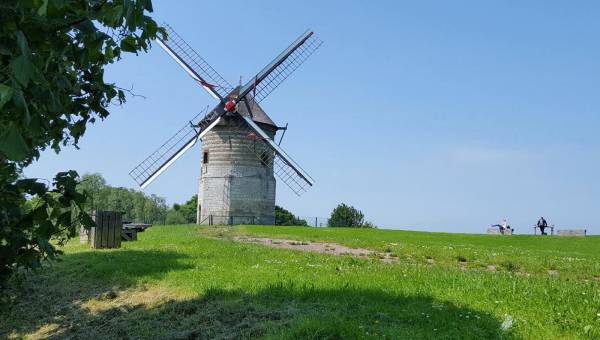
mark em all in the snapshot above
pixel 52 59
pixel 53 55
pixel 348 216
pixel 135 205
pixel 184 213
pixel 28 226
pixel 285 217
pixel 175 217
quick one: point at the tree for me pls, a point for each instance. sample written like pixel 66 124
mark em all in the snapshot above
pixel 284 217
pixel 91 185
pixel 52 59
pixel 186 211
pixel 347 216
pixel 175 217
pixel 135 205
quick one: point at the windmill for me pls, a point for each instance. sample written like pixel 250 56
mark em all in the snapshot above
pixel 239 155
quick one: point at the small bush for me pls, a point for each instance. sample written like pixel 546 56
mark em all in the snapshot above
pixel 285 217
pixel 346 216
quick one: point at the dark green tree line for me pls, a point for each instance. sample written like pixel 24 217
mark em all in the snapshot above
pixel 183 213
pixel 135 205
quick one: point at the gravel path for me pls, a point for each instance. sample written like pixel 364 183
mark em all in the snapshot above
pixel 325 248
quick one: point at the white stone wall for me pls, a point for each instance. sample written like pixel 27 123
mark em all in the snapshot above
pixel 234 182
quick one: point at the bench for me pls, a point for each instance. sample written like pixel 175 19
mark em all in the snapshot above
pixel 129 234
pixel 571 232
pixel 136 226
pixel 496 231
pixel 551 227
pixel 130 230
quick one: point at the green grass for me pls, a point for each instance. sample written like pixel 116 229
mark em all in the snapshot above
pixel 193 282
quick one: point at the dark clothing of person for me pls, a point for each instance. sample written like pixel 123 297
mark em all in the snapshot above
pixel 542 224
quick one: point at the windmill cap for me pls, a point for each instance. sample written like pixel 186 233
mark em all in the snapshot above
pixel 258 114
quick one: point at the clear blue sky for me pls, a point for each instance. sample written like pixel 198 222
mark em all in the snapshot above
pixel 438 115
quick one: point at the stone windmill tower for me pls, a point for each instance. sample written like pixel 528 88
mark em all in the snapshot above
pixel 240 158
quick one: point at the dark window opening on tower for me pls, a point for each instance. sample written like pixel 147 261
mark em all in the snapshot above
pixel 205 157
pixel 264 159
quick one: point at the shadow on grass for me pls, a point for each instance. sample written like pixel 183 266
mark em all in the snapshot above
pixel 54 308
pixel 54 295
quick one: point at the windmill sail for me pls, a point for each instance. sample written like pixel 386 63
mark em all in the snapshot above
pixel 151 167
pixel 254 91
pixel 281 67
pixel 257 89
pixel 272 154
pixel 194 64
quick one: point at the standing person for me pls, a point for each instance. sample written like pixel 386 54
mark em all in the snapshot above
pixel 542 224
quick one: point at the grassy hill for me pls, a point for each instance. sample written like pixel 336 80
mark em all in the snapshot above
pixel 198 282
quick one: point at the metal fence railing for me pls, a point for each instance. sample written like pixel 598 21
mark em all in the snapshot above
pixel 235 220
pixel 311 221
pixel 315 221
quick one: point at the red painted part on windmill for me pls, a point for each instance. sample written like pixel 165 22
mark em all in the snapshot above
pixel 230 105
pixel 252 136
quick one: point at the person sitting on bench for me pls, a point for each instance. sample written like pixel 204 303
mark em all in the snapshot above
pixel 504 226
pixel 542 224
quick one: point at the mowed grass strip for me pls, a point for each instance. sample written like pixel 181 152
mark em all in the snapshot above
pixel 567 257
pixel 194 282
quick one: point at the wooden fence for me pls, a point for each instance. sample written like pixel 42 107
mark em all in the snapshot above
pixel 107 233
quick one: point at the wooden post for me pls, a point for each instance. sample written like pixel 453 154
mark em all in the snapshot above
pixel 107 232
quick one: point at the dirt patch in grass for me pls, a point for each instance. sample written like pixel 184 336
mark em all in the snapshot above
pixel 318 247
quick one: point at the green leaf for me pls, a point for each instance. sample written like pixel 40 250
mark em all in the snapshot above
pixel 43 10
pixel 86 220
pixel 113 15
pixel 21 104
pixel 108 53
pixel 148 5
pixel 22 69
pixel 22 41
pixel 12 144
pixel 151 28
pixel 6 93
pixel 128 44
pixel 32 186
